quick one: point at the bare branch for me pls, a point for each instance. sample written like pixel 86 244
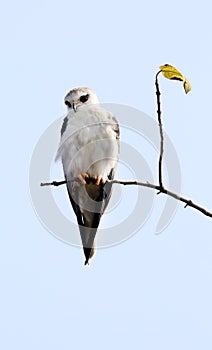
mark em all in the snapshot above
pixel 160 189
pixel 159 113
pixel 53 183
pixel 59 183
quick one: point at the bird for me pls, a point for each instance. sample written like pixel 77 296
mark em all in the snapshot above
pixel 89 150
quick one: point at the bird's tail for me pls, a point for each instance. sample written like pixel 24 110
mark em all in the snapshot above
pixel 89 253
pixel 88 241
pixel 88 219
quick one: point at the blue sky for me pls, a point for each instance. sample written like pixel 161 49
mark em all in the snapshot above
pixel 152 291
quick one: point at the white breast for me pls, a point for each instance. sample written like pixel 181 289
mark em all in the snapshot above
pixel 89 143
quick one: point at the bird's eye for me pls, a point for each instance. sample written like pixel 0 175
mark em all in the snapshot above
pixel 68 104
pixel 84 98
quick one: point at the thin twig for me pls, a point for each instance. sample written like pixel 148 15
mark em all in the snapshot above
pixel 53 183
pixel 59 183
pixel 159 113
pixel 161 189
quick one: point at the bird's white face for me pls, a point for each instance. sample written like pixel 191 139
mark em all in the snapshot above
pixel 79 97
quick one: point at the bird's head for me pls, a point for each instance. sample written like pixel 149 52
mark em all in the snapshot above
pixel 78 97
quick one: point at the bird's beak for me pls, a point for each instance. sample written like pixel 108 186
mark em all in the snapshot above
pixel 74 107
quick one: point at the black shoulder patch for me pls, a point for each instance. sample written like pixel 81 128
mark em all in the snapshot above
pixel 65 122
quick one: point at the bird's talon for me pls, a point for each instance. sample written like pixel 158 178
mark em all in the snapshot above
pixel 98 181
pixel 82 178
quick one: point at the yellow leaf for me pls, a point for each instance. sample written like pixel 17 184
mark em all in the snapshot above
pixel 173 73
